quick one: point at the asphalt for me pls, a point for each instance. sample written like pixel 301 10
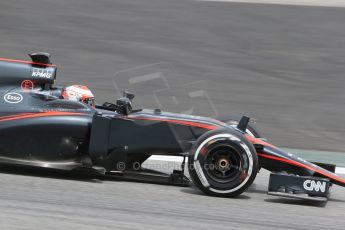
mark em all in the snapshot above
pixel 63 201
pixel 283 65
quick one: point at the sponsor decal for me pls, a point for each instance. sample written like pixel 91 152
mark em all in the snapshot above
pixel 13 98
pixel 27 85
pixel 312 185
pixel 42 73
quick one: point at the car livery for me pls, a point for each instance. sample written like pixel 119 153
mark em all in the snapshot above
pixel 38 127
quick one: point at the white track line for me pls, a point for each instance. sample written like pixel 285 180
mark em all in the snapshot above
pixel 338 170
pixel 324 3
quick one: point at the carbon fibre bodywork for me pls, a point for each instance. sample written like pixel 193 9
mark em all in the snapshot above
pixel 38 127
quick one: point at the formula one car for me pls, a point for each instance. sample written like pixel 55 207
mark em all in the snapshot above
pixel 40 126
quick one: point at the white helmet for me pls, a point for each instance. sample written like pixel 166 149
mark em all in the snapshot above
pixel 79 93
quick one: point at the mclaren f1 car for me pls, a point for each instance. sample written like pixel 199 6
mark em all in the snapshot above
pixel 40 127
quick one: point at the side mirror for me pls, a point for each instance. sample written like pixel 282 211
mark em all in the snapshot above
pixel 124 106
pixel 243 123
pixel 128 95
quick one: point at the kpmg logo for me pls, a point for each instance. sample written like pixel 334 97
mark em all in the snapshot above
pixel 42 73
pixel 312 185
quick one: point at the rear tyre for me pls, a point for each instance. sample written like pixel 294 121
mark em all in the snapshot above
pixel 223 163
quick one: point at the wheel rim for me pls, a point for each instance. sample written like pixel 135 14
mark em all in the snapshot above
pixel 224 164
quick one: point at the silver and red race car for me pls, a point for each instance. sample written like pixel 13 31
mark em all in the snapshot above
pixel 41 126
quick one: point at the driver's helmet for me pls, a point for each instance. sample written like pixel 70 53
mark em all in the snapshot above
pixel 79 93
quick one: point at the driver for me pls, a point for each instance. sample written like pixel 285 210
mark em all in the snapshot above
pixel 79 93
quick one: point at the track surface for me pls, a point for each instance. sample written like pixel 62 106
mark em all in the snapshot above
pixel 59 202
pixel 283 65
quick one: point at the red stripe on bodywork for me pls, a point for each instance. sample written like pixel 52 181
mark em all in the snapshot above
pixel 13 115
pixel 258 141
pixel 35 115
pixel 27 62
pixel 180 122
pixel 296 163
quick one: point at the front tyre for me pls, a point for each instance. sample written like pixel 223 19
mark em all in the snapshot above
pixel 223 163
